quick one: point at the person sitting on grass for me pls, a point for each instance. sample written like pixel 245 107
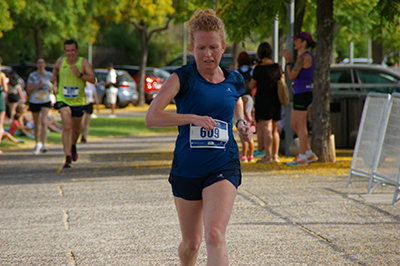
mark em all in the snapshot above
pixel 17 126
pixel 8 136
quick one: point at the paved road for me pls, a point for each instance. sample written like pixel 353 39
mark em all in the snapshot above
pixel 114 207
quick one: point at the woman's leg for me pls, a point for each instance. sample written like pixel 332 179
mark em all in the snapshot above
pixel 190 214
pixel 266 126
pixel 260 137
pixel 275 139
pixel 298 122
pixel 36 125
pixel 86 125
pixel 2 118
pixel 218 203
pixel 43 124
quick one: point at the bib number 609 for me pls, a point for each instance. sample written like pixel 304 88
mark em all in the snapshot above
pixel 209 134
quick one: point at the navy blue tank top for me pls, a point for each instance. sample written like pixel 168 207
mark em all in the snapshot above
pixel 193 156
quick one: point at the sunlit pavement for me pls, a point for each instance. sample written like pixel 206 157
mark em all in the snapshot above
pixel 115 207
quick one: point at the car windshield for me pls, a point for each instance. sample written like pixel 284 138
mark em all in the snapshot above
pixel 375 77
pixel 125 77
pixel 161 73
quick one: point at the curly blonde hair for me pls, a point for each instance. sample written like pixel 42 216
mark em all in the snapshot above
pixel 206 20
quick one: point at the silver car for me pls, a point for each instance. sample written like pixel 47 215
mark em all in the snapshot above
pixel 127 88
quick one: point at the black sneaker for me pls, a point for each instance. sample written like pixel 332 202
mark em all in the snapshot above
pixel 74 153
pixel 83 139
pixel 68 162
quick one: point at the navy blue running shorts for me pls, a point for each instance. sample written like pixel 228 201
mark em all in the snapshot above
pixel 89 108
pixel 192 188
pixel 35 107
pixel 76 111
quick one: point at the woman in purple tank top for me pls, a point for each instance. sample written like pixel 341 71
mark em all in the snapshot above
pixel 301 73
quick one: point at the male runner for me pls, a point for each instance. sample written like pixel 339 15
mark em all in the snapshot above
pixel 70 73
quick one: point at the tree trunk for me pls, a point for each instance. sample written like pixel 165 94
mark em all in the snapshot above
pixel 235 53
pixel 37 35
pixel 144 43
pixel 300 7
pixel 377 51
pixel 321 128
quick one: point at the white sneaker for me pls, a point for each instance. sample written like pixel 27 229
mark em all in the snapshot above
pixel 112 116
pixel 93 116
pixel 44 149
pixel 38 148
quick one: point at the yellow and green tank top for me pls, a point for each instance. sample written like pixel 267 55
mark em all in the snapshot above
pixel 71 88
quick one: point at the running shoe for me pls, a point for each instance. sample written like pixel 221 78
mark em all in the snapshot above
pixel 68 163
pixel 265 160
pixel 243 159
pixel 83 139
pixel 250 159
pixel 37 149
pixel 259 153
pixel 112 116
pixel 298 162
pixel 74 153
pixel 44 149
pixel 277 159
pixel 312 158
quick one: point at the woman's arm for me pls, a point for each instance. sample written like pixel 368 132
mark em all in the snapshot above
pixel 243 129
pixel 4 82
pixel 157 117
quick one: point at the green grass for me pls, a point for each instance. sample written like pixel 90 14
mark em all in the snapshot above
pixel 101 127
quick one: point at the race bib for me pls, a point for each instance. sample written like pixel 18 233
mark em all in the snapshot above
pixel 214 139
pixel 40 95
pixel 70 92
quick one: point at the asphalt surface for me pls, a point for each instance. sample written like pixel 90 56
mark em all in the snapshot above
pixel 115 207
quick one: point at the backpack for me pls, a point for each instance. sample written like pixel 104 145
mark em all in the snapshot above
pixel 246 74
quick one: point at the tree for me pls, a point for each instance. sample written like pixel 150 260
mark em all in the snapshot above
pixel 48 24
pixel 321 128
pixel 149 17
pixel 6 8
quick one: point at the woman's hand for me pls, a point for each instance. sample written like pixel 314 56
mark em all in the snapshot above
pixel 245 132
pixel 205 121
pixel 288 56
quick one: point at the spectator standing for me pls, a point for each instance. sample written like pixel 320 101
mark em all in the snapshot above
pixel 15 93
pixel 205 171
pixel 301 72
pixel 244 68
pixel 72 72
pixel 39 89
pixel 3 92
pixel 111 89
pixel 91 97
pixel 267 106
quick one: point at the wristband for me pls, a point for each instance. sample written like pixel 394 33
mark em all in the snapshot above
pixel 81 75
pixel 241 119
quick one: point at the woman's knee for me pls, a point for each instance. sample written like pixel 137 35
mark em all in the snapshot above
pixel 192 244
pixel 215 236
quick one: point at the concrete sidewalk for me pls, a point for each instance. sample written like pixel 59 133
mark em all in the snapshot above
pixel 115 207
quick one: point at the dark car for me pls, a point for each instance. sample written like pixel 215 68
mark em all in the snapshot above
pixel 25 68
pixel 349 86
pixel 226 61
pixel 127 89
pixel 154 79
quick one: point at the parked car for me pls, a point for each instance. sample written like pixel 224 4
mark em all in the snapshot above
pixel 127 88
pixel 226 60
pixel 349 86
pixel 154 79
